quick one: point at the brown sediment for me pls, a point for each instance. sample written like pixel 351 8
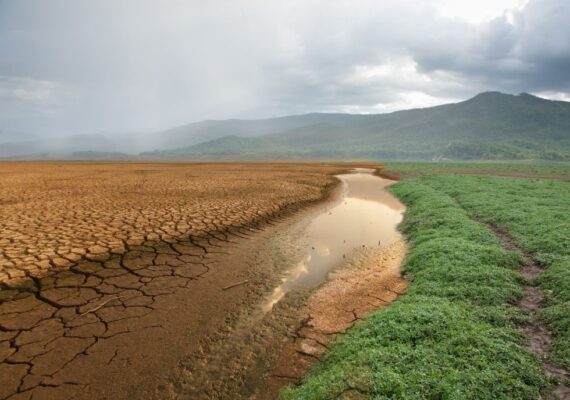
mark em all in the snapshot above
pixel 387 174
pixel 371 279
pixel 56 215
pixel 236 362
pixel 539 337
pixel 111 273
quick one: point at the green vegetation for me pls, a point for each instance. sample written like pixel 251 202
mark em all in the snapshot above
pixel 536 213
pixel 453 335
pixel 529 168
pixel 490 126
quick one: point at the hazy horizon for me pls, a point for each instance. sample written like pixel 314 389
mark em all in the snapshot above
pixel 166 128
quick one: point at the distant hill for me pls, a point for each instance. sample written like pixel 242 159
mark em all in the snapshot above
pixel 491 125
pixel 15 145
pixel 204 131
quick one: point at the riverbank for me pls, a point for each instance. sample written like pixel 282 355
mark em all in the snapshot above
pixel 134 261
pixel 454 334
pixel 255 356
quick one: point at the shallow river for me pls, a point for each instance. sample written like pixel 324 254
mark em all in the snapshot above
pixel 365 215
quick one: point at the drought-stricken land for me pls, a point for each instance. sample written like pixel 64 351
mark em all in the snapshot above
pixel 56 215
pixel 101 265
pixel 140 309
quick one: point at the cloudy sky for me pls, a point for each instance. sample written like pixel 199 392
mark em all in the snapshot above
pixel 82 66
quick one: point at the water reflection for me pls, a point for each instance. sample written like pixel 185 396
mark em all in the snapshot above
pixel 366 215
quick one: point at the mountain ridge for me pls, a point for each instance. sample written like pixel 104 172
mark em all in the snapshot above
pixel 491 125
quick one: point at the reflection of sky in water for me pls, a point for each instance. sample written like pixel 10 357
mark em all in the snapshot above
pixel 367 215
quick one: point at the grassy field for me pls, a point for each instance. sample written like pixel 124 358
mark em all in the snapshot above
pixel 557 170
pixel 455 334
pixel 536 213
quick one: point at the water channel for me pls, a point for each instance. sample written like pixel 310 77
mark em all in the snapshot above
pixel 365 215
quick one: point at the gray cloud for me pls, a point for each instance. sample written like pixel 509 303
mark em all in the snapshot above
pixel 529 53
pixel 84 66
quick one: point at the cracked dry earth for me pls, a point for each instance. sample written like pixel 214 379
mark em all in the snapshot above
pixel 369 280
pixel 107 271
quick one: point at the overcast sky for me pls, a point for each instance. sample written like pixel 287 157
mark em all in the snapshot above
pixel 127 65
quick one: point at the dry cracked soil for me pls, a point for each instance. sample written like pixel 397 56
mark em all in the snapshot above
pixel 111 272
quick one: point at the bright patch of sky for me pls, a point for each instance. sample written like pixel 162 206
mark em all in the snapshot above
pixel 480 11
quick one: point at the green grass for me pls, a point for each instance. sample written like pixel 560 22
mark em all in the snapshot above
pixel 453 335
pixel 536 213
pixel 425 168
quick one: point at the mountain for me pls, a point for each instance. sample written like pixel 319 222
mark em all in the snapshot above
pixel 491 125
pixel 17 145
pixel 204 131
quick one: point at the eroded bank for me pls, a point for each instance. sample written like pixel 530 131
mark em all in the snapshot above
pixel 332 266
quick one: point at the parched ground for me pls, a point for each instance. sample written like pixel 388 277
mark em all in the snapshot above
pixel 53 216
pixel 103 267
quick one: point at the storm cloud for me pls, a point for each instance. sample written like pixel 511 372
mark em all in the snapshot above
pixel 87 66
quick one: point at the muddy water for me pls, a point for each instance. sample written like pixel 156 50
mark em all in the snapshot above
pixel 243 361
pixel 365 216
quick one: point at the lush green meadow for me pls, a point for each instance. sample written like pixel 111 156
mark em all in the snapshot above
pixel 536 213
pixel 529 168
pixel 456 333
